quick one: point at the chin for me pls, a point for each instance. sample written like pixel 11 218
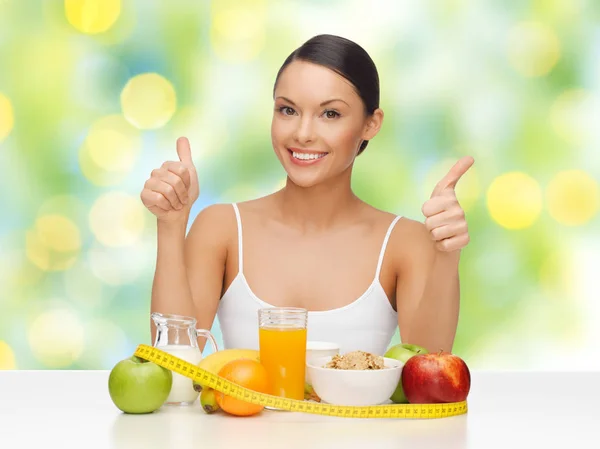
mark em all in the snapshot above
pixel 303 180
pixel 304 177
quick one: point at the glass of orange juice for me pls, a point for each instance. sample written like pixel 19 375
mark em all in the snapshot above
pixel 282 341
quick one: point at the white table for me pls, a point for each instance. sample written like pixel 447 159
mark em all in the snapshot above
pixel 72 409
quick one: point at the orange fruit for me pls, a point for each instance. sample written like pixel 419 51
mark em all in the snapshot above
pixel 249 374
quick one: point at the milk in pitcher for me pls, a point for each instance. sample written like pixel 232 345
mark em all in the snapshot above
pixel 182 390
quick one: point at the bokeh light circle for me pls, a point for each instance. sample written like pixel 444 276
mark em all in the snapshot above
pixel 237 31
pixel 117 219
pixel 110 150
pixel 514 200
pixel 7 357
pixel 148 101
pixel 113 144
pixel 533 49
pixel 572 197
pixel 56 338
pixel 7 118
pixel 16 269
pixel 54 242
pixel 92 16
pixel 58 233
pixel 96 174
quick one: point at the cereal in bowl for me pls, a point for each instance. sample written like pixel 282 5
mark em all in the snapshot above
pixel 356 360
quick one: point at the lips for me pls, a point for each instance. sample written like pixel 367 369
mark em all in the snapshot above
pixel 306 157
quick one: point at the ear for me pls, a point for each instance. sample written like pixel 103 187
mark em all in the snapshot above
pixel 373 124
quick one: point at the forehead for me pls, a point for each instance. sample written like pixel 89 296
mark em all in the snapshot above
pixel 303 81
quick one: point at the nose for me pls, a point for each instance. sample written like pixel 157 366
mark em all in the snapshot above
pixel 304 132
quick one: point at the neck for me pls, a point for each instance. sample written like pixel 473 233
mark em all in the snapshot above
pixel 318 207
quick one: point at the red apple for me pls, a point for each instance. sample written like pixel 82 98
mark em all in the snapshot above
pixel 436 378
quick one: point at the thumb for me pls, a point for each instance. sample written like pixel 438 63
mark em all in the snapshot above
pixel 456 172
pixel 184 151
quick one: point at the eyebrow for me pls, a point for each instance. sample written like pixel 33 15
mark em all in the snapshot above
pixel 322 104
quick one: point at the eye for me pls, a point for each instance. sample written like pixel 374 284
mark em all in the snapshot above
pixel 330 113
pixel 286 110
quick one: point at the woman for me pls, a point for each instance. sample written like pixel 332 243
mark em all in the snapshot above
pixel 359 271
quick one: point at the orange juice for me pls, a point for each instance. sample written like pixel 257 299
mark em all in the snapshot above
pixel 283 354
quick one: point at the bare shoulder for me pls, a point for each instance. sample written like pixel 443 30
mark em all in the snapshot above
pixel 412 229
pixel 409 240
pixel 411 243
pixel 405 229
pixel 215 225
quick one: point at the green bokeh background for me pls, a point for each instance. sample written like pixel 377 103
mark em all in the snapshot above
pixel 514 84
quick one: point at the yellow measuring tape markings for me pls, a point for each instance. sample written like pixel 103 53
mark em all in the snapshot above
pixel 218 383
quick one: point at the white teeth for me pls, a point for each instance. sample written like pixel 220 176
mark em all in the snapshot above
pixel 306 156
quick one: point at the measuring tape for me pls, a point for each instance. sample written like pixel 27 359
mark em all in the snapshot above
pixel 222 385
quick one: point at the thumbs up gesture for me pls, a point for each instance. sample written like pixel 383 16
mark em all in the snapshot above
pixel 444 217
pixel 172 189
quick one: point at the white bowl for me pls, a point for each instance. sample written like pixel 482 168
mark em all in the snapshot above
pixel 354 387
pixel 316 349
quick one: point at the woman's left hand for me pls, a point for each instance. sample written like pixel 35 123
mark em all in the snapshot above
pixel 444 217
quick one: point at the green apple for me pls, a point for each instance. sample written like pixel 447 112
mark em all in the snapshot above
pixel 139 386
pixel 308 389
pixel 402 352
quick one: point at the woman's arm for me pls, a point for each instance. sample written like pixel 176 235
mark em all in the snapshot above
pixel 428 289
pixel 189 272
pixel 427 292
pixel 205 259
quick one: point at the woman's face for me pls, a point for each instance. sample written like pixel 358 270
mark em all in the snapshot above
pixel 319 123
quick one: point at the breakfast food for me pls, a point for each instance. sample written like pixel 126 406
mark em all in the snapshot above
pixel 436 378
pixel 217 360
pixel 247 373
pixel 356 360
pixel 138 386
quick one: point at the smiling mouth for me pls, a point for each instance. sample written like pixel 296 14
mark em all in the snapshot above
pixel 306 156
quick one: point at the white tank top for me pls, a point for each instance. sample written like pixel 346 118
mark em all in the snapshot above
pixel 366 324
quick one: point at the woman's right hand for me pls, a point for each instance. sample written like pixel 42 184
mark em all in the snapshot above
pixel 173 188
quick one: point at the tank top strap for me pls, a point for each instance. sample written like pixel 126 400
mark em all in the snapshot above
pixel 240 240
pixel 384 245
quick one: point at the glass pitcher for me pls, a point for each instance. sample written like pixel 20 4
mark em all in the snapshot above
pixel 177 335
